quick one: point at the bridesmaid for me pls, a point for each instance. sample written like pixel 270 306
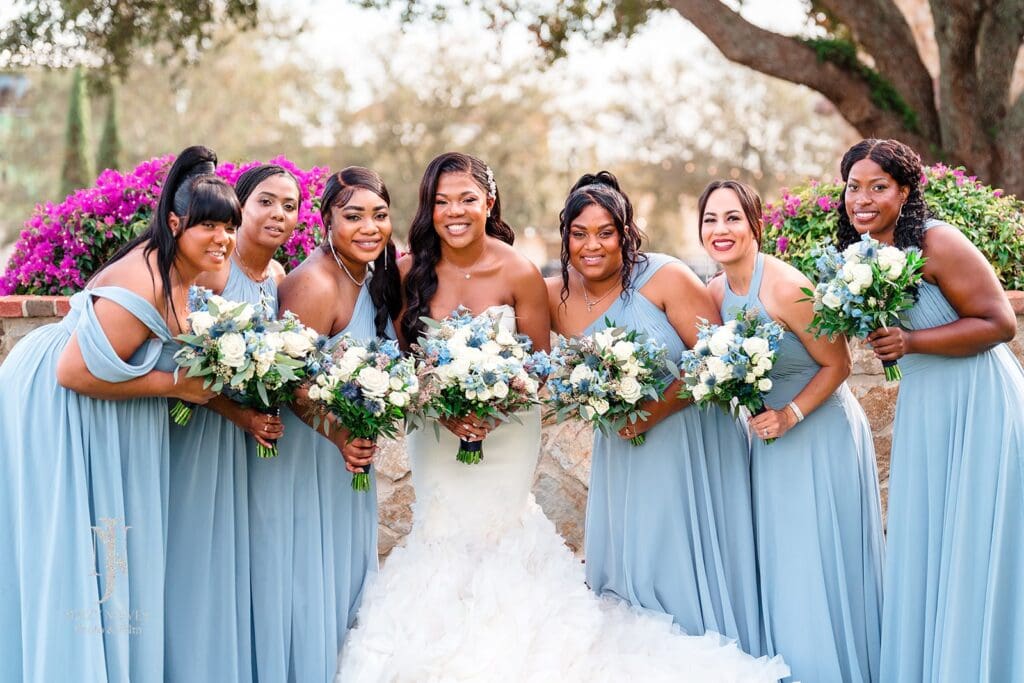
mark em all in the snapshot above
pixel 954 608
pixel 313 540
pixel 817 513
pixel 208 618
pixel 84 449
pixel 669 524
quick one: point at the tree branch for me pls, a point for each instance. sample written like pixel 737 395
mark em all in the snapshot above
pixel 882 30
pixel 1001 33
pixel 790 59
pixel 957 24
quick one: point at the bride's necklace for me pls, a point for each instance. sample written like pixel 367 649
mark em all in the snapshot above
pixel 593 302
pixel 341 265
pixel 467 271
pixel 240 262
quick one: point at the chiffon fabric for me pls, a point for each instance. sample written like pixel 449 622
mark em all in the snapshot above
pixel 954 603
pixel 208 617
pixel 313 542
pixel 486 590
pixel 669 524
pixel 83 506
pixel 817 515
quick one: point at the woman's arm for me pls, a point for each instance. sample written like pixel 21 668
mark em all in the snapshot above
pixel 832 356
pixel 970 285
pixel 533 316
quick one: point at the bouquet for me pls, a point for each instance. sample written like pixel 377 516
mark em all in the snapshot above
pixel 729 364
pixel 604 377
pixel 247 355
pixel 368 388
pixel 471 365
pixel 863 288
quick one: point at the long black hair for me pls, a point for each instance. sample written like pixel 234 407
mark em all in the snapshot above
pixel 424 242
pixel 385 285
pixel 602 189
pixel 250 180
pixel 194 195
pixel 904 165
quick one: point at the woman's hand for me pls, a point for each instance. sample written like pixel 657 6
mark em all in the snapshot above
pixel 357 453
pixel 771 424
pixel 190 389
pixel 890 343
pixel 469 428
pixel 264 428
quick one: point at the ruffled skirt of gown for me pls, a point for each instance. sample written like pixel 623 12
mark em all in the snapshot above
pixel 485 590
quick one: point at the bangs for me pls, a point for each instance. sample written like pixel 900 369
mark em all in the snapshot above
pixel 213 200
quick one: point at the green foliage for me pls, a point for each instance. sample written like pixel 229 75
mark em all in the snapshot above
pixel 843 53
pixel 77 169
pixel 994 222
pixel 56 33
pixel 109 153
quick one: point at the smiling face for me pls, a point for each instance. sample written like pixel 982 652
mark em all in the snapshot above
pixel 873 200
pixel 725 229
pixel 360 228
pixel 595 250
pixel 460 210
pixel 271 212
pixel 202 247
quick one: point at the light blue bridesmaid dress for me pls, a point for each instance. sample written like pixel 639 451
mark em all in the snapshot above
pixel 313 541
pixel 83 501
pixel 669 524
pixel 954 573
pixel 817 516
pixel 208 617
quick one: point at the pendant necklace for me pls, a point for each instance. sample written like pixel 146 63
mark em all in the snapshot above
pixel 341 265
pixel 466 271
pixel 586 298
pixel 245 268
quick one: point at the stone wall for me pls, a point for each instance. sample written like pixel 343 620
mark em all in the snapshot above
pixel 564 469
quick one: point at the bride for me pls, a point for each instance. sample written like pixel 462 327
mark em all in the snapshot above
pixel 484 588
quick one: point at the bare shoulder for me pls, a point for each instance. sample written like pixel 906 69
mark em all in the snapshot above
pixel 136 272
pixel 675 276
pixel 277 271
pixel 716 287
pixel 943 243
pixel 309 276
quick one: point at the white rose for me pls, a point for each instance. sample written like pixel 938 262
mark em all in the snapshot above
pixel 295 344
pixel 485 395
pixel 859 275
pixel 604 339
pixel 397 383
pixel 721 341
pixel 490 348
pixel 831 300
pixel 399 398
pixel 579 374
pixel 218 301
pixel 459 367
pixel 764 364
pixel 720 370
pixel 750 378
pixel 243 316
pixel 274 340
pixel 374 382
pixel 755 346
pixel 852 253
pixel 764 384
pixel 346 365
pixel 505 337
pixel 623 350
pixel 599 405
pixel 311 334
pixel 892 260
pixel 500 390
pixel 630 390
pixel 700 391
pixel 313 393
pixel 232 350
pixel 201 322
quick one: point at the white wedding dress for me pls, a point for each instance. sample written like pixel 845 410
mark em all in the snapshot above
pixel 484 588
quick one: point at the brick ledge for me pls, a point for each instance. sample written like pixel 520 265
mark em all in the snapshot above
pixel 28 306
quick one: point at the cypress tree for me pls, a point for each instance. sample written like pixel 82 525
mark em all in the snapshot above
pixel 109 153
pixel 77 171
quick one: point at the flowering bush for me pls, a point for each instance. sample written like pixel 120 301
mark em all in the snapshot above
pixel 992 221
pixel 63 244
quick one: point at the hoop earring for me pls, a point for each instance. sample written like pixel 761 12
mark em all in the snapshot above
pixel 899 216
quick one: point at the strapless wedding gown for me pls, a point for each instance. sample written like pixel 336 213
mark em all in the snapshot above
pixel 484 588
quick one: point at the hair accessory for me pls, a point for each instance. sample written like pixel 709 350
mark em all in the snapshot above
pixel 492 187
pixel 796 411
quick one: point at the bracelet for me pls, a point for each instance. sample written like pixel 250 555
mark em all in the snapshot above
pixel 796 411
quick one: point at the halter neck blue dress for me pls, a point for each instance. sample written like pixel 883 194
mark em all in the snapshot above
pixel 669 524
pixel 817 515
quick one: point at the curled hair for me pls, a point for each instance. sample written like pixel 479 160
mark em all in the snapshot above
pixel 904 165
pixel 251 179
pixel 602 189
pixel 424 242
pixel 175 196
pixel 385 285
pixel 750 202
